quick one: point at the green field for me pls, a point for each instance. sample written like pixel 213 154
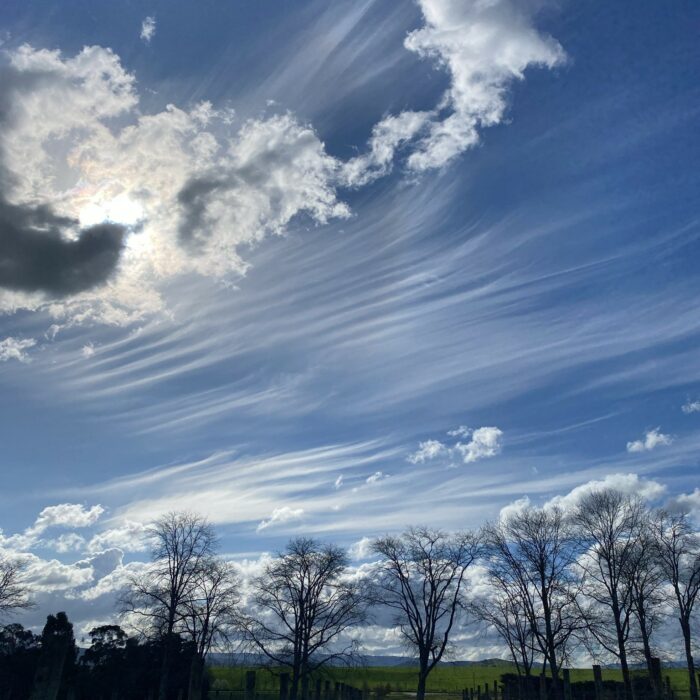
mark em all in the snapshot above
pixel 444 679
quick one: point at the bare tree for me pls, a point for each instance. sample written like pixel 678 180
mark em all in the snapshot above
pixel 183 545
pixel 303 605
pixel 210 609
pixel 422 579
pixel 610 524
pixel 645 581
pixel 209 616
pixel 505 611
pixel 679 554
pixel 531 552
pixel 14 592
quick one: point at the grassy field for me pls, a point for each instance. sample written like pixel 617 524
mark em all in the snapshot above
pixel 444 679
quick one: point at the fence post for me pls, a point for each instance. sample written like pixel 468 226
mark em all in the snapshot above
pixel 567 683
pixel 543 687
pixel 495 690
pixel 284 686
pixel 250 685
pixel 327 691
pixel 598 681
pixel 656 683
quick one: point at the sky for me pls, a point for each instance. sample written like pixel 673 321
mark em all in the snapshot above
pixel 335 268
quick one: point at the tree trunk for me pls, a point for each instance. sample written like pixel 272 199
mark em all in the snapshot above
pixel 685 626
pixel 648 657
pixel 422 678
pixel 194 691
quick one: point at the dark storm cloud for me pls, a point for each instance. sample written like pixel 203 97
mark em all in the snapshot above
pixel 35 257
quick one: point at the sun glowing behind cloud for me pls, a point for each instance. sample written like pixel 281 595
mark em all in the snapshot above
pixel 120 210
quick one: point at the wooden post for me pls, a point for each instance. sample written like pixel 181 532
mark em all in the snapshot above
pixel 598 681
pixel 284 686
pixel 495 690
pixel 543 687
pixel 327 691
pixel 656 682
pixel 486 691
pixel 566 674
pixel 337 691
pixel 318 689
pixel 250 685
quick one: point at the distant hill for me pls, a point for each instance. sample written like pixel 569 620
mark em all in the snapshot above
pixel 369 660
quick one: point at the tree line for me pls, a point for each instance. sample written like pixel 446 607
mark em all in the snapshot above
pixel 598 579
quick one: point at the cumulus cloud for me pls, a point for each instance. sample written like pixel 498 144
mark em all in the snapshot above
pixel 361 549
pixel 652 439
pixel 427 450
pixel 691 407
pixel 484 47
pixel 195 187
pixel 148 29
pixel 376 477
pixel 129 536
pixel 67 542
pixel 686 503
pixel 631 484
pixel 15 348
pixel 485 442
pixel 66 515
pixel 338 482
pixel 280 516
pixel 517 506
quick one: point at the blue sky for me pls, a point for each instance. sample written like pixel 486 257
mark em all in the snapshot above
pixel 344 230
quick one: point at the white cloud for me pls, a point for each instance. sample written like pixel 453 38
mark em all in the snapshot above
pixel 338 482
pixel 15 349
pixel 279 516
pixel 484 47
pixel 485 442
pixel 68 542
pixel 130 536
pixel 686 503
pixel 387 136
pixel 691 407
pixel 376 477
pixel 66 515
pixel 361 549
pixel 148 29
pixel 88 350
pixel 427 450
pixel 630 484
pixel 514 507
pixel 652 438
